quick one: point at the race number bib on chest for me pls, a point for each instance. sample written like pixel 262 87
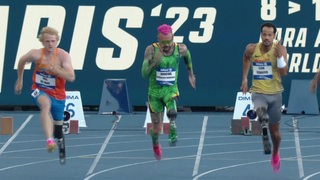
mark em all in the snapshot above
pixel 166 76
pixel 262 70
pixel 46 81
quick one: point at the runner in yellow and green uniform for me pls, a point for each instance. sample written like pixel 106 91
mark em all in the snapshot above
pixel 161 65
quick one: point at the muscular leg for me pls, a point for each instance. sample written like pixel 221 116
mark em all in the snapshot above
pixel 45 115
pixel 275 136
pixel 157 121
pixel 274 125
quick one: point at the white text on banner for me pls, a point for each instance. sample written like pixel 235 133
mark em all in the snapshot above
pixel 243 104
pixel 74 107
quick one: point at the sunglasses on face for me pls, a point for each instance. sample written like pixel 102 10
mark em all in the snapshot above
pixel 166 42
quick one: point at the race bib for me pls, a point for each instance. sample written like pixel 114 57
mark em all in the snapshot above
pixel 166 76
pixel 35 93
pixel 46 81
pixel 262 70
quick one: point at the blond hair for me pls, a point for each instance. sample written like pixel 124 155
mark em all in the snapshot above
pixel 48 30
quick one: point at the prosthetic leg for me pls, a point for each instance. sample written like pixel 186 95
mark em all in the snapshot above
pixel 58 134
pixel 263 118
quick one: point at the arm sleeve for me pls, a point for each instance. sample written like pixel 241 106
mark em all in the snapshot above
pixel 188 60
pixel 147 65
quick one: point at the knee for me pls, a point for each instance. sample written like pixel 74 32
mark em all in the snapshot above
pixel 262 114
pixel 172 114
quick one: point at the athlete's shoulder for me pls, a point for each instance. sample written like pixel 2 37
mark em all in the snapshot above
pixel 149 50
pixel 250 48
pixel 62 51
pixel 32 55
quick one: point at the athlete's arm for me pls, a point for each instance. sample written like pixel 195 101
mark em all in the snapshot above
pixel 246 62
pixel 185 53
pixel 281 52
pixel 27 58
pixel 149 63
pixel 314 82
pixel 66 70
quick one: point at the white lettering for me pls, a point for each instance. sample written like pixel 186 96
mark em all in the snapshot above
pixel 288 37
pixel 207 25
pixel 301 38
pixel 4 15
pixel 305 63
pixel 317 42
pixel 299 60
pixel 295 62
pixel 31 24
pixel 316 63
pixel 278 35
pixel 81 35
pixel 127 42
pixel 182 14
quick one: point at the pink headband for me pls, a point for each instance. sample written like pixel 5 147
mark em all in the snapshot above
pixel 165 29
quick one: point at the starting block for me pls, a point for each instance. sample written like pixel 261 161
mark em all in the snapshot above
pixel 241 124
pixel 6 125
pixel 245 126
pixel 165 124
pixel 70 126
pixel 165 128
pixel 74 127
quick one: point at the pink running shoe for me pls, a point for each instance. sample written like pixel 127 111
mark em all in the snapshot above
pixel 50 145
pixel 275 162
pixel 157 151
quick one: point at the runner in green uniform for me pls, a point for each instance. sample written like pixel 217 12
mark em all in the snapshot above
pixel 161 65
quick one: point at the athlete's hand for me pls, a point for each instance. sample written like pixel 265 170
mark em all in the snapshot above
pixel 192 80
pixel 244 86
pixel 278 49
pixel 18 87
pixel 313 86
pixel 154 62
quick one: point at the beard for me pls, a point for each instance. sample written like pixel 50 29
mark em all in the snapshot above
pixel 267 43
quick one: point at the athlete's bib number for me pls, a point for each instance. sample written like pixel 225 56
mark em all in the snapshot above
pixel 262 70
pixel 44 80
pixel 166 76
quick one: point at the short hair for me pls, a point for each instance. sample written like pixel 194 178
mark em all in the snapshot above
pixel 48 30
pixel 165 29
pixel 269 25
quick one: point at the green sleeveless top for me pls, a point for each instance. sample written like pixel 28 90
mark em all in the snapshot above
pixel 164 77
pixel 266 78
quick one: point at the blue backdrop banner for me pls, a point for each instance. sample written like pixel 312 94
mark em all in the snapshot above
pixel 107 39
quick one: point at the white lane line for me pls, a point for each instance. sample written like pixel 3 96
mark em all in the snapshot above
pixel 228 167
pixel 15 134
pixel 298 148
pixel 200 146
pixel 104 145
pixel 311 175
